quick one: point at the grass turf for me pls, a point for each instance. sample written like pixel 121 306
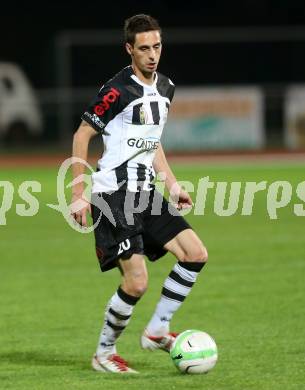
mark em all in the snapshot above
pixel 250 297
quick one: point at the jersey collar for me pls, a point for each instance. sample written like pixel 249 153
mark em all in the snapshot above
pixel 137 80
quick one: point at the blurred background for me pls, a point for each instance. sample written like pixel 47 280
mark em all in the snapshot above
pixel 239 69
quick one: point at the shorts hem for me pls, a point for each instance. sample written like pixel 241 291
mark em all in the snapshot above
pixel 109 264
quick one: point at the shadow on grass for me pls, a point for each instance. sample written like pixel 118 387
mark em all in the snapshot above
pixel 43 359
pixel 40 358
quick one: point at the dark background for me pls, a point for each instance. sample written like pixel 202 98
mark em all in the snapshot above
pixel 28 35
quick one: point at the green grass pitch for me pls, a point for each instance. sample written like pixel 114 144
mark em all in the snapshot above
pixel 250 297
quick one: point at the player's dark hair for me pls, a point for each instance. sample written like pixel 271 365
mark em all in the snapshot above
pixel 137 24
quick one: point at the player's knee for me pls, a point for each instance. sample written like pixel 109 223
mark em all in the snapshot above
pixel 136 287
pixel 139 288
pixel 198 254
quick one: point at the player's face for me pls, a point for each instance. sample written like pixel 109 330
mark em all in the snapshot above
pixel 146 51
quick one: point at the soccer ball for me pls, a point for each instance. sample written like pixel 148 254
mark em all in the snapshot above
pixel 194 352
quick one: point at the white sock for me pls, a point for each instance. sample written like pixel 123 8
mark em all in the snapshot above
pixel 117 315
pixel 176 287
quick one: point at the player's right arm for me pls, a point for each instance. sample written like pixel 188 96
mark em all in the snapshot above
pixel 81 141
pixel 101 110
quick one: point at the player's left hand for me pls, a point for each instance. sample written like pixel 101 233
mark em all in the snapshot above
pixel 180 197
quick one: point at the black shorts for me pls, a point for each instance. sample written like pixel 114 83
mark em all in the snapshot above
pixel 133 222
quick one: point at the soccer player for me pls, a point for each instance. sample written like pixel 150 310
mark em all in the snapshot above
pixel 129 112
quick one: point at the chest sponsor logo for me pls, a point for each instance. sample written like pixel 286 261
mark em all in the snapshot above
pixel 143 143
pixel 107 100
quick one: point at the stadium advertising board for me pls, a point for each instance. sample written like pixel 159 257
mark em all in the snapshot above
pixel 215 118
pixel 295 117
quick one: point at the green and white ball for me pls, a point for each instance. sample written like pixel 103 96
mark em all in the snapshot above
pixel 194 352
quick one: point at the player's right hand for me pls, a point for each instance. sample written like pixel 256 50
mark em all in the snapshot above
pixel 79 208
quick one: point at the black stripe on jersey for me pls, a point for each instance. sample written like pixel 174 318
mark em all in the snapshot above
pixel 155 112
pixel 165 87
pixel 136 114
pixel 115 327
pixel 177 278
pixel 118 315
pixel 122 176
pixel 151 178
pixel 112 98
pixel 172 295
pixel 134 89
pixel 141 177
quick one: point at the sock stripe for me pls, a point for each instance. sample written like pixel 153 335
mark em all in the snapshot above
pixel 129 299
pixel 195 266
pixel 118 315
pixel 115 327
pixel 105 345
pixel 176 287
pixel 172 295
pixel 177 278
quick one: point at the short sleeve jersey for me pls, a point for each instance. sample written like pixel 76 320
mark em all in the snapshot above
pixel 130 116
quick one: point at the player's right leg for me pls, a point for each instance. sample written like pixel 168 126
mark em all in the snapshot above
pixel 118 313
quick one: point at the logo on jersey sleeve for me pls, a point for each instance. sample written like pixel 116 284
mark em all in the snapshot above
pixel 95 119
pixel 107 100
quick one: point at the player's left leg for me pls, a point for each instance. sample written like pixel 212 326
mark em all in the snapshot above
pixel 192 256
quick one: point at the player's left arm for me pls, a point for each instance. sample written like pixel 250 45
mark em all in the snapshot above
pixel 181 197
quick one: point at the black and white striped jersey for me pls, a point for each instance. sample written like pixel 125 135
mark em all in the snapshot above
pixel 130 116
